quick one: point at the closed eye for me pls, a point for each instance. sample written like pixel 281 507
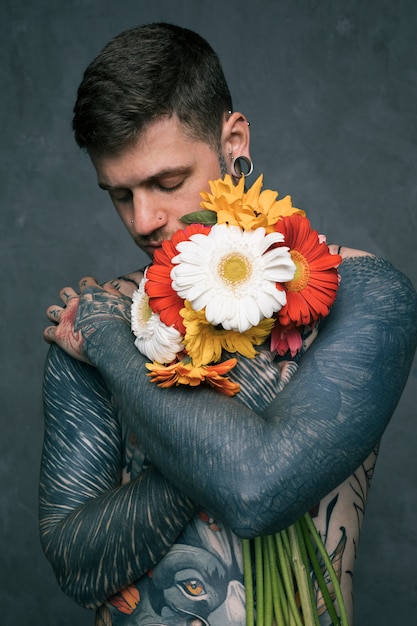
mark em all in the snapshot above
pixel 168 186
pixel 121 195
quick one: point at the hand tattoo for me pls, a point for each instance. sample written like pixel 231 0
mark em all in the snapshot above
pixel 97 306
pixel 84 314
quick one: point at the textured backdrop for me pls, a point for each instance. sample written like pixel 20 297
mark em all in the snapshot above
pixel 330 88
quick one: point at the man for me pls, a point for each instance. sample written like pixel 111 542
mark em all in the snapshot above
pixel 145 492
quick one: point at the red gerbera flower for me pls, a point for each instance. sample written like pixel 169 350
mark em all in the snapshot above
pixel 162 297
pixel 285 340
pixel 312 291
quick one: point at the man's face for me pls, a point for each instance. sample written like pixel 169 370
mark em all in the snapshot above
pixel 157 180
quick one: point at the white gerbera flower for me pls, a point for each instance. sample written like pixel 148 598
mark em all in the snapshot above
pixel 153 338
pixel 233 274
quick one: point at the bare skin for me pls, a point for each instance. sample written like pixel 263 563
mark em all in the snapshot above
pixel 317 437
pixel 159 178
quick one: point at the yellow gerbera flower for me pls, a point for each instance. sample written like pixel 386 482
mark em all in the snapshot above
pixel 247 209
pixel 204 342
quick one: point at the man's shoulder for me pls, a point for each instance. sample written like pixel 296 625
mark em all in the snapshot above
pixel 372 288
pixel 369 268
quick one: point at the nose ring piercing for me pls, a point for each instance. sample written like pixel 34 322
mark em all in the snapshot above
pixel 131 221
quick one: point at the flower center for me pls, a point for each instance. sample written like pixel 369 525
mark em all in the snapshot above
pixel 234 269
pixel 302 272
pixel 145 311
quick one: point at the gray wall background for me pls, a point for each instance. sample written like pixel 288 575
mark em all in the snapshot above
pixel 330 88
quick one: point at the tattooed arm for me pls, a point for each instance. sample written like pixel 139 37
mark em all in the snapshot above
pixel 261 473
pixel 99 535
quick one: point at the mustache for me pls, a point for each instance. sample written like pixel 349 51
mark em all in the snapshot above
pixel 157 237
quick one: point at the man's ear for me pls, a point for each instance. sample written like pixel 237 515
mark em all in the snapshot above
pixel 235 138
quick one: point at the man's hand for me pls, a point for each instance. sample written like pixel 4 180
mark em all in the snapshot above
pixel 82 314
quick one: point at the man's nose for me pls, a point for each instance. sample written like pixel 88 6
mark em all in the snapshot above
pixel 147 215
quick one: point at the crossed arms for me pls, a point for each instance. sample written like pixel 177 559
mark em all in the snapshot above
pixel 257 471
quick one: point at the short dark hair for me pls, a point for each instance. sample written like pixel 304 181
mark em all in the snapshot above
pixel 145 73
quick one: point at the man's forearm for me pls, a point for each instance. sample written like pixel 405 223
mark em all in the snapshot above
pixel 259 473
pixel 111 541
pixel 98 535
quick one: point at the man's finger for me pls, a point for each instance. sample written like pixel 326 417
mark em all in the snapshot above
pixel 110 289
pixel 66 293
pixel 54 313
pixel 88 281
pixel 49 334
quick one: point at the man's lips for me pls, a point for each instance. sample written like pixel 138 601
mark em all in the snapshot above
pixel 150 247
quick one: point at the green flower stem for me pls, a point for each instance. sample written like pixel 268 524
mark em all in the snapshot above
pixel 305 559
pixel 274 576
pixel 259 578
pixel 267 585
pixel 248 579
pixel 329 566
pixel 281 540
pixel 280 561
pixel 276 583
pixel 285 543
pixel 308 609
pixel 318 572
pixel 284 600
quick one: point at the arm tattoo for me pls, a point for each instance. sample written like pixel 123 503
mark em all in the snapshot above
pixel 124 529
pixel 331 415
pixel 321 419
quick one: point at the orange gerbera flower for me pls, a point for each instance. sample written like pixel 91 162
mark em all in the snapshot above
pixel 312 291
pixel 185 373
pixel 162 297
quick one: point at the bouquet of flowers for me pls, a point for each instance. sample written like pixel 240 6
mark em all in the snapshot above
pixel 246 269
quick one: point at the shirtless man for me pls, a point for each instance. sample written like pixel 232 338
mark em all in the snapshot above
pixel 146 492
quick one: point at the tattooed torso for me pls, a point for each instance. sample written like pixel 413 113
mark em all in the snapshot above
pixel 200 580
